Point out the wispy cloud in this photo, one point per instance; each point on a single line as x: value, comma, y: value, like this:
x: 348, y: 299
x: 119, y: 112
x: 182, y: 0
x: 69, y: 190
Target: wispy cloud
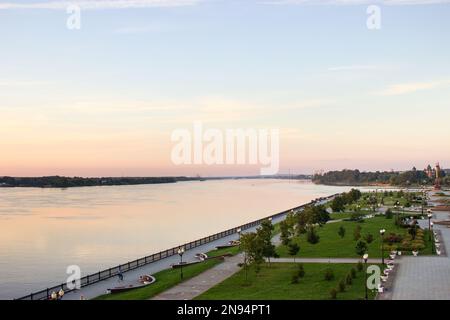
x: 405, y: 88
x: 98, y: 4
x: 356, y: 2
x: 352, y: 68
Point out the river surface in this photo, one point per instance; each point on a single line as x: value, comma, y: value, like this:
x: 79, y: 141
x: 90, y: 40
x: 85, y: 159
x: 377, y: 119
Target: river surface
x: 42, y: 231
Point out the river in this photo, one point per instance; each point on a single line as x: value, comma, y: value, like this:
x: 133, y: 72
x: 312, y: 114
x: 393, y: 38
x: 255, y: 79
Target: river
x: 42, y: 231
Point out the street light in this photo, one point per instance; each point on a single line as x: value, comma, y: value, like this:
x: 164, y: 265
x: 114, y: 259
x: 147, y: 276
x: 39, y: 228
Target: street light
x: 365, y: 257
x: 382, y: 232
x: 180, y: 253
x: 430, y: 215
x: 432, y: 242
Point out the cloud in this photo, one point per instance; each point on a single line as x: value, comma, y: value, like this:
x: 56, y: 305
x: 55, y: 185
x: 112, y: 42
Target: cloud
x: 405, y: 88
x: 98, y: 4
x: 352, y: 68
x: 356, y: 2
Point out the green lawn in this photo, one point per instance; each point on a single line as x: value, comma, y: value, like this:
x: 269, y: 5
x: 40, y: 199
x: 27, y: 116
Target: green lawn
x: 331, y: 245
x: 166, y: 279
x: 274, y: 283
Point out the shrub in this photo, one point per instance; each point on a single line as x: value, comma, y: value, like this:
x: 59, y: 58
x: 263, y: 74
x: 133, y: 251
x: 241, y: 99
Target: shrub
x: 389, y: 214
x: 359, y: 266
x: 301, y: 271
x: 341, y: 286
x: 369, y: 238
x: 329, y: 274
x: 333, y: 293
x: 393, y: 238
x: 353, y: 273
x: 341, y: 232
x: 349, y: 279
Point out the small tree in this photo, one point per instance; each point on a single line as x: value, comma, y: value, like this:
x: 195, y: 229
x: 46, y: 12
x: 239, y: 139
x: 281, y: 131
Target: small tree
x: 349, y: 279
x: 285, y: 235
x: 329, y: 274
x: 359, y: 266
x: 295, y: 278
x: 369, y: 238
x: 293, y: 249
x: 353, y: 272
x: 301, y: 271
x: 357, y: 234
x: 341, y: 285
x: 361, y: 248
x: 341, y: 232
x: 311, y: 236
x: 333, y: 293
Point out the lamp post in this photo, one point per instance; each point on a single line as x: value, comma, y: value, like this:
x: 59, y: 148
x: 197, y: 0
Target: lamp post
x: 180, y: 253
x: 430, y: 215
x: 432, y: 242
x: 382, y: 232
x: 366, y: 257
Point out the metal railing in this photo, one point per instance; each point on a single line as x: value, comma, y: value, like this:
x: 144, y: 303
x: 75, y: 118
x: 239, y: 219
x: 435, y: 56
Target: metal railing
x: 111, y: 272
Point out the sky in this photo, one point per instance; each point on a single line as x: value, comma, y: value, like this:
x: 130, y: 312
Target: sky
x: 103, y: 100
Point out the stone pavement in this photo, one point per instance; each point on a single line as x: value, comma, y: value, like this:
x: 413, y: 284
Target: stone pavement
x: 427, y: 277
x: 195, y: 286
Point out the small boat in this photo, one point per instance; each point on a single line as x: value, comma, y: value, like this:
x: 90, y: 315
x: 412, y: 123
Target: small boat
x: 230, y: 244
x: 201, y: 256
x: 143, y: 281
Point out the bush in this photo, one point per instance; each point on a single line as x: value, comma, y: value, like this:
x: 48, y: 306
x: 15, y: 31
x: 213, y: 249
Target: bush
x: 369, y: 238
x: 341, y: 286
x: 301, y: 271
x: 359, y: 266
x: 349, y: 279
x: 389, y: 214
x: 353, y: 273
x: 341, y: 232
x: 329, y: 274
x: 393, y: 238
x: 333, y: 293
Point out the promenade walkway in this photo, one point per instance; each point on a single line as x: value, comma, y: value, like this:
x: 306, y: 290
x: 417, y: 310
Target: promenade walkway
x: 427, y: 277
x: 193, y: 287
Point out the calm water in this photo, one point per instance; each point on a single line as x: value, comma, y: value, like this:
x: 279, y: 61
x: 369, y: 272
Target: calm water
x: 42, y: 231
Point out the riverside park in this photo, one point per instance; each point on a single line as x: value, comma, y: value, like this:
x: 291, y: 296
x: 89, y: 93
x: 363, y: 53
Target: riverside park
x: 384, y: 245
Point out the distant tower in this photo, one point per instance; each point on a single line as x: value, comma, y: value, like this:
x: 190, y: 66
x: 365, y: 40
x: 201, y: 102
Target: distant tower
x: 437, y: 185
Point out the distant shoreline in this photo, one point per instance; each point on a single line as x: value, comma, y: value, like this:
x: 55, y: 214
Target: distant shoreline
x: 60, y: 182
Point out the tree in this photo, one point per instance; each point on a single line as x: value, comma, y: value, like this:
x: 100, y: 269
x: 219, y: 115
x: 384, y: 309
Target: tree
x: 311, y: 235
x: 338, y: 204
x: 357, y: 233
x: 329, y: 274
x: 293, y: 249
x: 265, y: 232
x: 341, y: 232
x: 361, y: 248
x: 252, y: 245
x: 368, y: 238
x: 301, y: 271
x: 285, y: 235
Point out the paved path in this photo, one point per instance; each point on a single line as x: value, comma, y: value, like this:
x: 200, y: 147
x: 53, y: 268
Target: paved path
x: 425, y: 278
x: 195, y: 286
x: 322, y: 260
